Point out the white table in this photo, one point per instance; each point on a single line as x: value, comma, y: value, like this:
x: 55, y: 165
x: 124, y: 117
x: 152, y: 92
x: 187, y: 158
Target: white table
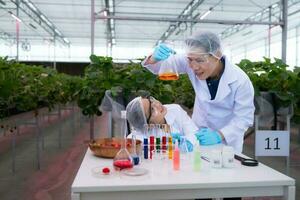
x: 163, y: 183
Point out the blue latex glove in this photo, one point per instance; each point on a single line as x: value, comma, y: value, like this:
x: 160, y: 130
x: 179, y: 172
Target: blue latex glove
x: 207, y: 136
x: 162, y: 52
x: 175, y: 136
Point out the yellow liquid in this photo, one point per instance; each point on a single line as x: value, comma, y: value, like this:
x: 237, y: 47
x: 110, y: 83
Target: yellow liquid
x: 170, y: 149
x: 168, y: 76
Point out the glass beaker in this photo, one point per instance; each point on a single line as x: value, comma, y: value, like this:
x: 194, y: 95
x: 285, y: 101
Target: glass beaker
x: 123, y: 160
x: 168, y: 70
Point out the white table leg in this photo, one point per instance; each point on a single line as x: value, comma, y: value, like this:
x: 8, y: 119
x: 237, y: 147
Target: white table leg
x: 75, y: 196
x: 289, y: 193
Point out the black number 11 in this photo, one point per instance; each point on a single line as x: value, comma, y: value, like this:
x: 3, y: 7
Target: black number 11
x: 276, y: 144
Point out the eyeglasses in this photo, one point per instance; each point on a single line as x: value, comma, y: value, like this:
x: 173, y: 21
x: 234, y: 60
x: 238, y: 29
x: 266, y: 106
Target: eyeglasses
x: 151, y: 100
x: 199, y: 60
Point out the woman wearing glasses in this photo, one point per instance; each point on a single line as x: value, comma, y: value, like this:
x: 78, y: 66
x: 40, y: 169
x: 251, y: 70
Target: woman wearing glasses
x: 223, y: 108
x: 148, y: 110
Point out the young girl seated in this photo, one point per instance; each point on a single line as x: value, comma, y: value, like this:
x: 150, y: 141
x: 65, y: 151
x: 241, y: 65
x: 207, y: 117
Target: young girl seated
x: 148, y: 110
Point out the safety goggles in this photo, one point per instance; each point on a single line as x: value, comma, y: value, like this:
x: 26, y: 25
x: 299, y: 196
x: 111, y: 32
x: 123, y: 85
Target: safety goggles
x: 201, y: 59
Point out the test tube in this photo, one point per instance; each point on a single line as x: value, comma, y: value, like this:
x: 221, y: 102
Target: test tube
x: 176, y: 157
x: 146, y: 129
x: 170, y: 143
x: 164, y: 137
x: 157, y: 129
x: 152, y: 136
x: 135, y: 157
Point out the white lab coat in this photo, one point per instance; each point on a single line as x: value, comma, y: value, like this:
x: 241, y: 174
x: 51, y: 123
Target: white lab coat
x: 232, y: 110
x: 179, y: 122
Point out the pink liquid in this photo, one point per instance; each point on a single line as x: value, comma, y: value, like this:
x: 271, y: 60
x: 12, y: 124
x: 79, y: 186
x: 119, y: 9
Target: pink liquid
x: 176, y: 159
x: 122, y: 164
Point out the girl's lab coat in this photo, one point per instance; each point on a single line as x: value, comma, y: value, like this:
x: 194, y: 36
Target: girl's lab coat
x: 232, y: 110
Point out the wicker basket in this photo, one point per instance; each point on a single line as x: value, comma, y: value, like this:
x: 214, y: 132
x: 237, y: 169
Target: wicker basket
x: 109, y: 147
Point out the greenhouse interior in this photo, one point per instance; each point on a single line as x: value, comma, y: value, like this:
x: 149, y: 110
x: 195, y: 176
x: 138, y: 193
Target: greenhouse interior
x: 160, y: 99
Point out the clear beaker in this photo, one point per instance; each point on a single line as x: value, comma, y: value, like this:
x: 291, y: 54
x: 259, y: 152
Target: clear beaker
x: 123, y: 159
x: 168, y: 70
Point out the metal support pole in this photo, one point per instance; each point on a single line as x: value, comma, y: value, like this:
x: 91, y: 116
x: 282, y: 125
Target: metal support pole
x: 13, y: 144
x: 17, y: 30
x: 38, y: 143
x: 54, y: 51
x: 269, y: 33
x: 92, y: 25
x: 73, y: 119
x: 284, y: 29
x: 288, y: 127
x: 59, y: 126
x: 256, y: 117
x: 297, y: 46
x: 92, y: 128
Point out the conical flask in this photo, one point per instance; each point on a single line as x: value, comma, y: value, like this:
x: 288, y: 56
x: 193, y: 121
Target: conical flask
x: 168, y: 70
x: 123, y: 159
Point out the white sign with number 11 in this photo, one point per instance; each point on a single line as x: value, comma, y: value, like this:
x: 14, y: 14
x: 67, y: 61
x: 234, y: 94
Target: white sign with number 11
x: 272, y: 143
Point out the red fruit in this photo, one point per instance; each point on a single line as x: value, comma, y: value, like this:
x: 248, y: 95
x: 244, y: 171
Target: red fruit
x: 105, y: 170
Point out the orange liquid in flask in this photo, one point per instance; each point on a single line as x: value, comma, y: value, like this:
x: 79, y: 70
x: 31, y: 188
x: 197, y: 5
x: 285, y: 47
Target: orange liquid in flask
x: 170, y: 76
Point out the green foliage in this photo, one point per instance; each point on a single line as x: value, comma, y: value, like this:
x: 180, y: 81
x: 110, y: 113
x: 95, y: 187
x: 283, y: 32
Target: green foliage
x: 25, y: 88
x: 274, y: 77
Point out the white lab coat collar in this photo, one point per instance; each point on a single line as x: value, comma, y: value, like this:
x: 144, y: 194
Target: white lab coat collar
x: 227, y: 78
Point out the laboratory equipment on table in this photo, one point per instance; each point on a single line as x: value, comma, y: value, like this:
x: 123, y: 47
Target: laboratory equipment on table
x: 134, y: 155
x: 123, y: 158
x: 228, y: 156
x: 151, y: 137
x: 176, y: 157
x: 145, y: 146
x: 216, y: 158
x: 170, y: 142
x: 164, y: 128
x: 158, y: 135
x: 247, y: 161
x: 197, y: 158
x: 168, y: 70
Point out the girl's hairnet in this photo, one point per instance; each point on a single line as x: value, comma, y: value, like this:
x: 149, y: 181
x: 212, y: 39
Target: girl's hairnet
x: 135, y: 114
x: 205, y: 41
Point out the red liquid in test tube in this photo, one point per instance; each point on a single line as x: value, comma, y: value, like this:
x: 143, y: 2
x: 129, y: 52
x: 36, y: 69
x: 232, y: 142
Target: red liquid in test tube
x: 151, y: 145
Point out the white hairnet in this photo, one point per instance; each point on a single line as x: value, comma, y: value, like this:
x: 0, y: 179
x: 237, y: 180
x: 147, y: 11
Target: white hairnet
x: 205, y: 41
x: 135, y: 114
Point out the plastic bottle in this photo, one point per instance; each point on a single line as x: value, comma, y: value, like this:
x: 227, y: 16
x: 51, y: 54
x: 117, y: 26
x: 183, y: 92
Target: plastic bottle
x: 197, y: 158
x: 176, y: 157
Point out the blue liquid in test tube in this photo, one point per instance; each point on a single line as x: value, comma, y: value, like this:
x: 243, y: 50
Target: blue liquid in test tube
x: 145, y: 148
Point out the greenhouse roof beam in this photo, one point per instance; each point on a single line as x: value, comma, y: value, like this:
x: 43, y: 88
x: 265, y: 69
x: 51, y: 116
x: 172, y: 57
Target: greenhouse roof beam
x: 187, y: 12
x: 275, y: 9
x: 37, y: 16
x: 209, y: 21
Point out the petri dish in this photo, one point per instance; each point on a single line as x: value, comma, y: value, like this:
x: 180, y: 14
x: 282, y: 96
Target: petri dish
x: 136, y: 171
x: 102, y: 171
